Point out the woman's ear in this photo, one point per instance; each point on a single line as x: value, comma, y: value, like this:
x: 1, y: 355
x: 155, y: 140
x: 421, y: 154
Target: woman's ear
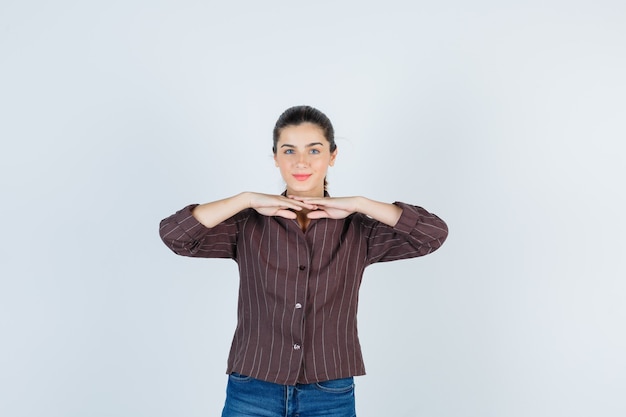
x: 333, y: 155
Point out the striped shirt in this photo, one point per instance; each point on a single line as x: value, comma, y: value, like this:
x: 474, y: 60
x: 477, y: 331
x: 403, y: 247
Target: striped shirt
x: 298, y: 293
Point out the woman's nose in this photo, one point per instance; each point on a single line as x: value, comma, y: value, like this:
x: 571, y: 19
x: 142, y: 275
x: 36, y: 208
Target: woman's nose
x: 302, y: 160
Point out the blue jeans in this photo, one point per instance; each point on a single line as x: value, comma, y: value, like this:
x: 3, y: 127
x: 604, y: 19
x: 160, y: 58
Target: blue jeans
x: 249, y: 397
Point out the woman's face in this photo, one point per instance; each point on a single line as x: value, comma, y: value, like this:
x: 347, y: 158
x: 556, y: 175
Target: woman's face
x: 303, y: 156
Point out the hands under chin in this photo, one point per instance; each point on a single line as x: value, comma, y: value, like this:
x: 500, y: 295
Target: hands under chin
x: 328, y: 207
x: 294, y: 207
x: 314, y: 208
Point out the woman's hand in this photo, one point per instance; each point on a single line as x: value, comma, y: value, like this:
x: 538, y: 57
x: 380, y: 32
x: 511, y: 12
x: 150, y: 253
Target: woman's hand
x: 277, y: 205
x: 211, y: 214
x: 328, y: 207
x: 339, y: 208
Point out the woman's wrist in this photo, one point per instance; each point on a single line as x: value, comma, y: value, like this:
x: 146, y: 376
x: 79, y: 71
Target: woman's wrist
x: 360, y: 204
x: 245, y: 199
x: 383, y: 212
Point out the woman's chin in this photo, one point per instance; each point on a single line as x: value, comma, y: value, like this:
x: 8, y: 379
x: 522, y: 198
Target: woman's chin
x: 303, y: 190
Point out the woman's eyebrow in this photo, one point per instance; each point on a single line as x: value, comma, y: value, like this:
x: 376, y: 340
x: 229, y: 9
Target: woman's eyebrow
x: 287, y: 145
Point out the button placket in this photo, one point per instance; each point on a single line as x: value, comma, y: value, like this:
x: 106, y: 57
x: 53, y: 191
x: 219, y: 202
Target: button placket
x: 300, y: 296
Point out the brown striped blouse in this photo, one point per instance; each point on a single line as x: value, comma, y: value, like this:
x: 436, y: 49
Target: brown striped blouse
x: 298, y: 293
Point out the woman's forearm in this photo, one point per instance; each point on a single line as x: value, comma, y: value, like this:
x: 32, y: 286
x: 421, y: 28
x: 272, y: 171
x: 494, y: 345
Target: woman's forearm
x: 212, y: 214
x: 383, y: 212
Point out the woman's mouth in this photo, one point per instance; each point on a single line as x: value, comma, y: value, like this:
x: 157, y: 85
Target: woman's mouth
x: 301, y: 177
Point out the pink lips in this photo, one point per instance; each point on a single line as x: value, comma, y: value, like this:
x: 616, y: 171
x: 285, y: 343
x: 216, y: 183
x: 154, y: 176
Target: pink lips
x: 301, y: 177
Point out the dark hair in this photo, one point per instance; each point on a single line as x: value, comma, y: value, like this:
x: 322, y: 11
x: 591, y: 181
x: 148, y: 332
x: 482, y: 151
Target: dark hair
x: 297, y: 115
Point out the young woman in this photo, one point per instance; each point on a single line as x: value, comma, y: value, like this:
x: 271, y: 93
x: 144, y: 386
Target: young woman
x: 301, y: 257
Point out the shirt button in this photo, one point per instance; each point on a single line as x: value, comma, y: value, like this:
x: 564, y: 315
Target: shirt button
x: 296, y: 347
x: 302, y: 267
x: 298, y: 305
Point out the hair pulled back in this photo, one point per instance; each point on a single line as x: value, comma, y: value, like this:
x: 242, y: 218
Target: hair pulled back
x: 297, y: 115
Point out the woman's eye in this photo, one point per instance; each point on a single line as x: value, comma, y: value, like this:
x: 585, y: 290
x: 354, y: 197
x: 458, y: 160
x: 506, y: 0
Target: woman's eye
x: 315, y: 151
x: 289, y: 151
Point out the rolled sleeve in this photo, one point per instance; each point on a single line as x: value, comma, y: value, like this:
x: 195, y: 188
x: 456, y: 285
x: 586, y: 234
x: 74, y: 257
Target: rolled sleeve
x: 417, y: 233
x: 186, y: 236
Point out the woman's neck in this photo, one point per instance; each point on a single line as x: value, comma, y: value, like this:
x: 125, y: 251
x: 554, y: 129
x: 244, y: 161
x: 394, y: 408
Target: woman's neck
x: 303, y: 220
x: 311, y: 194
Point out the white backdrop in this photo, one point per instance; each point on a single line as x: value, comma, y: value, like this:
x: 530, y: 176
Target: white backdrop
x: 504, y: 118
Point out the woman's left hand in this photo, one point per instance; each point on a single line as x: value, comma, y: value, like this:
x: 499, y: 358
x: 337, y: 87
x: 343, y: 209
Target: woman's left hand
x: 329, y: 207
x: 341, y: 207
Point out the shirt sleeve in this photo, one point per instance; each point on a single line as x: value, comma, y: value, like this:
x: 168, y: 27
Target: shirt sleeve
x: 186, y: 236
x: 417, y: 233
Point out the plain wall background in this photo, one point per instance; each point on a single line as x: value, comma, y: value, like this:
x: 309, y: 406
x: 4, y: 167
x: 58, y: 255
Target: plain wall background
x: 504, y: 118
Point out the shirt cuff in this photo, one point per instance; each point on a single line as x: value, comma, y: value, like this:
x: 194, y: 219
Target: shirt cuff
x: 408, y: 219
x: 189, y: 224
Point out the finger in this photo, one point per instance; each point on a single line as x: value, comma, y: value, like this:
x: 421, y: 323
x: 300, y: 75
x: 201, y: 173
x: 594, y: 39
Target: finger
x: 287, y: 204
x: 304, y: 199
x: 321, y: 204
x: 318, y: 214
x: 290, y: 206
x: 304, y: 204
x: 310, y: 201
x: 286, y: 214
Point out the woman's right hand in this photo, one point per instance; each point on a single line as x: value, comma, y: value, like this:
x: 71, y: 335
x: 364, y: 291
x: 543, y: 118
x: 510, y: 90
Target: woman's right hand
x: 211, y: 214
